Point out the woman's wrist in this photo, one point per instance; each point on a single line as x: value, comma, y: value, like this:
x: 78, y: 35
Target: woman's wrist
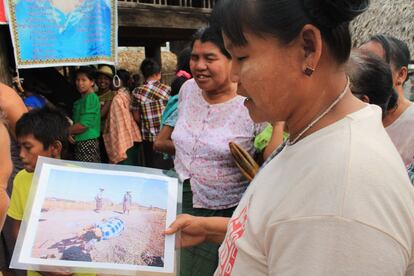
x: 215, y: 227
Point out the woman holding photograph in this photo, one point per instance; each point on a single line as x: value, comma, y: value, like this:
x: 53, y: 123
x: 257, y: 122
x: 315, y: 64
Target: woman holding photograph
x: 336, y: 198
x: 210, y: 115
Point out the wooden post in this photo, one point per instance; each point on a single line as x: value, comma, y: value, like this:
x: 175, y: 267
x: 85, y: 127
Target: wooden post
x: 153, y: 51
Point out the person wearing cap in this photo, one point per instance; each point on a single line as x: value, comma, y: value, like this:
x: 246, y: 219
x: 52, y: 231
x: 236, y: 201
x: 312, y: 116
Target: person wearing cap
x: 127, y: 201
x: 105, y: 92
x: 99, y: 200
x: 106, y: 95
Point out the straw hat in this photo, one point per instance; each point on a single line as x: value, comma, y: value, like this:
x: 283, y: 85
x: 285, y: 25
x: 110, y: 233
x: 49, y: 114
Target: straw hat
x: 106, y: 70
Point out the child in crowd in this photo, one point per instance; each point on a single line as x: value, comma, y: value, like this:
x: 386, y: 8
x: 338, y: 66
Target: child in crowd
x: 86, y: 118
x: 41, y: 132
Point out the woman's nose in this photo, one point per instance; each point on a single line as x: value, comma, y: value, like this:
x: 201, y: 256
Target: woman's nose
x: 201, y: 65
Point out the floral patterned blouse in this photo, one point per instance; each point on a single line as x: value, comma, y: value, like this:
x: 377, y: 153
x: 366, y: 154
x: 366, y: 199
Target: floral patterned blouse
x: 201, y: 138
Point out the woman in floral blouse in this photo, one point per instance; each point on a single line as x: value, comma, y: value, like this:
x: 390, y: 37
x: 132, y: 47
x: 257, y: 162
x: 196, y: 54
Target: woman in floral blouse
x: 210, y: 115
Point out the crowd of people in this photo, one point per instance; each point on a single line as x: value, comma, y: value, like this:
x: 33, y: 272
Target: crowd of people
x: 330, y: 127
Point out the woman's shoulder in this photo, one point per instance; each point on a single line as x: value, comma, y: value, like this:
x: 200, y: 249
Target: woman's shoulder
x: 92, y: 97
x: 189, y: 87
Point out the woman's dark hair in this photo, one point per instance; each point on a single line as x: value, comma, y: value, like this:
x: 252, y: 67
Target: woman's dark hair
x: 211, y: 34
x: 396, y: 51
x: 88, y: 71
x: 183, y: 60
x: 183, y: 63
x: 149, y: 67
x: 176, y: 85
x: 47, y: 125
x: 124, y: 76
x: 371, y: 76
x: 284, y: 19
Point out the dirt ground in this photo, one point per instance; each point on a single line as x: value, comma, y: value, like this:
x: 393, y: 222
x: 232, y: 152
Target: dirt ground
x: 140, y: 243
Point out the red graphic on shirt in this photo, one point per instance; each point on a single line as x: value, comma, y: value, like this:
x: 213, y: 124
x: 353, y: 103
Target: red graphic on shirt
x: 228, y: 252
x: 2, y: 13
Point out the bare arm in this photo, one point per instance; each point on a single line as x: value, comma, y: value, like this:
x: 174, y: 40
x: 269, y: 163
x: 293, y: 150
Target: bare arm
x: 5, y: 171
x: 196, y: 230
x: 77, y: 128
x: 15, y: 227
x: 275, y: 141
x: 163, y: 142
x: 12, y: 105
x: 105, y: 109
x: 137, y: 117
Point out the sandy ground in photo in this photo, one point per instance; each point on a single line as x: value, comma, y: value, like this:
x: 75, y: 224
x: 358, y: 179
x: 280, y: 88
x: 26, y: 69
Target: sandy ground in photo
x: 138, y: 243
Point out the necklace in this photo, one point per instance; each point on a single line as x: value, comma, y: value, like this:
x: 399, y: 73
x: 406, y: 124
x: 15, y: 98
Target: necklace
x: 289, y: 143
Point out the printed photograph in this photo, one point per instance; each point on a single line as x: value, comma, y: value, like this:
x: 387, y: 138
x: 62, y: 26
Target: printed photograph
x: 104, y: 218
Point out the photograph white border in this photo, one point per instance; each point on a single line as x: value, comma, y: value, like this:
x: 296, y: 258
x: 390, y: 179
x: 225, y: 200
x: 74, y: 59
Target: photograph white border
x: 22, y: 256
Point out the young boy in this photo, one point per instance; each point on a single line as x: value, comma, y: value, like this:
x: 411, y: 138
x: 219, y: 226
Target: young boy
x: 41, y: 132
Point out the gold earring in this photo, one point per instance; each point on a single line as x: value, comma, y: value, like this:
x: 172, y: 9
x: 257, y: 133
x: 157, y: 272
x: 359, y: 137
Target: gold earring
x: 308, y: 71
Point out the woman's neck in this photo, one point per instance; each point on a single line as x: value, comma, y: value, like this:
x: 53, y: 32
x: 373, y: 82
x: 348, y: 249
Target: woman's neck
x: 221, y: 95
x: 320, y: 95
x: 87, y: 93
x: 101, y: 92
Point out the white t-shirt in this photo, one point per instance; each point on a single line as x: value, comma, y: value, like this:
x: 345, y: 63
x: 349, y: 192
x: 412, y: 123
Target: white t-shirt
x: 401, y: 132
x: 338, y: 202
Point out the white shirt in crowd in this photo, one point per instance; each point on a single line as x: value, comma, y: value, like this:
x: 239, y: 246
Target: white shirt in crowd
x: 401, y: 132
x: 338, y: 202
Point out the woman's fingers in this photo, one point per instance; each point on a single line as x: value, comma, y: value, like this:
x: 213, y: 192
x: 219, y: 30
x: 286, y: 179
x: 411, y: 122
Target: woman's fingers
x: 178, y: 224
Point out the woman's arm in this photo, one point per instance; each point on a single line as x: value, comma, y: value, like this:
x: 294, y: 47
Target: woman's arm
x: 5, y: 171
x: 12, y: 106
x: 196, y: 230
x: 163, y: 142
x: 77, y: 128
x: 137, y: 117
x: 105, y: 109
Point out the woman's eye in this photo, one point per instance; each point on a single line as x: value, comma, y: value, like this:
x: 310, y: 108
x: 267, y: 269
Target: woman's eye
x: 241, y: 58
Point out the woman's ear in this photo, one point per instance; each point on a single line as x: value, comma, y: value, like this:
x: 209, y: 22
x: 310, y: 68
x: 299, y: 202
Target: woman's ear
x: 401, y: 76
x: 56, y: 149
x: 364, y: 98
x: 311, y: 41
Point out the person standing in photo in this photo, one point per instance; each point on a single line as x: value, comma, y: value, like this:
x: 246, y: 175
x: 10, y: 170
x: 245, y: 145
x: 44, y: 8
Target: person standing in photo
x: 99, y: 200
x: 127, y: 201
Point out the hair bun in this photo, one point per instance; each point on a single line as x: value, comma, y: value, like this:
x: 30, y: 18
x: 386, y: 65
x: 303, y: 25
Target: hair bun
x: 332, y: 13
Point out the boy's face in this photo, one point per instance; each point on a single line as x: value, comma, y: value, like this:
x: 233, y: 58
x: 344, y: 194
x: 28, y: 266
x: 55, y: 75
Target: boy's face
x: 31, y: 148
